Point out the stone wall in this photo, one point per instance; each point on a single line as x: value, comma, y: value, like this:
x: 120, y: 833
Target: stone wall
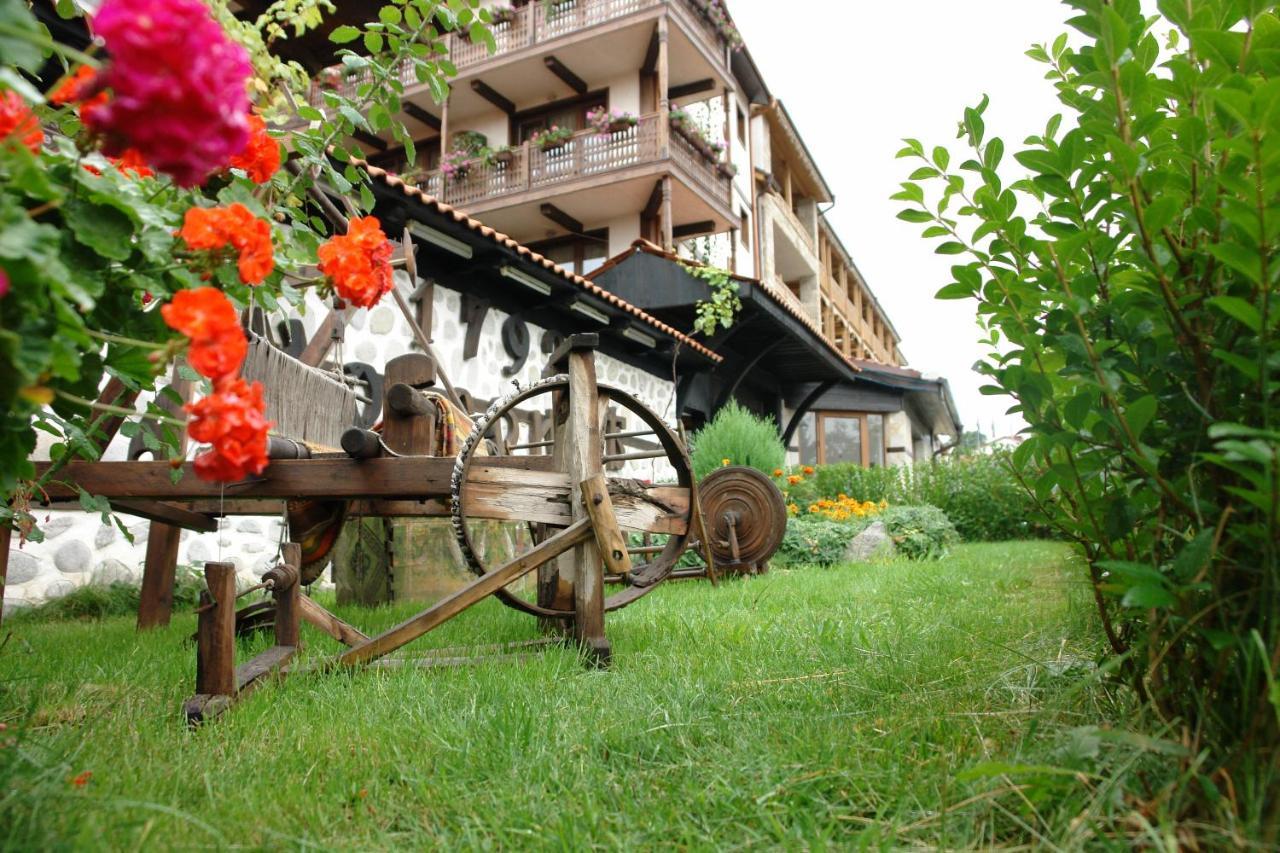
x: 79, y: 548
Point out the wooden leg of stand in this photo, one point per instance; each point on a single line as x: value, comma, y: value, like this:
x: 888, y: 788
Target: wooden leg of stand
x: 583, y: 460
x: 6, y: 534
x: 289, y: 602
x: 156, y: 602
x: 216, y: 634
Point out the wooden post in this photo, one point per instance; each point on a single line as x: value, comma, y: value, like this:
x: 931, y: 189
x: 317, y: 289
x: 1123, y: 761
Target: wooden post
x: 664, y: 97
x: 610, y: 539
x: 155, y: 603
x: 288, y: 600
x: 6, y: 535
x: 216, y: 632
x: 409, y: 421
x: 668, y: 227
x: 584, y: 460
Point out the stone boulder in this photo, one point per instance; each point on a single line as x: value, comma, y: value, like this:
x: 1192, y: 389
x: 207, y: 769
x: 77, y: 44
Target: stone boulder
x: 870, y: 545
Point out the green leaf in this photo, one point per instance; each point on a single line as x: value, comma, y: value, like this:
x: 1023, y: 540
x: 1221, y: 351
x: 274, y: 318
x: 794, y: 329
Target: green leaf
x: 101, y: 227
x: 912, y: 214
x: 373, y: 42
x: 1146, y: 596
x: 1238, y: 310
x: 21, y: 34
x: 344, y: 34
x: 951, y: 248
x: 941, y: 157
x: 1140, y: 412
x: 389, y: 15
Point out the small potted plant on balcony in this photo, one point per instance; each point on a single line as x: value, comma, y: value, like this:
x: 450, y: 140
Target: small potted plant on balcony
x: 726, y: 169
x: 606, y: 122
x: 455, y: 165
x: 502, y: 13
x: 552, y: 138
x: 505, y: 154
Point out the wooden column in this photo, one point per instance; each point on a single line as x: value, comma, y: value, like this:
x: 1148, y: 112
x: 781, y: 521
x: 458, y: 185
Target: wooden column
x: 664, y: 98
x: 216, y: 632
x: 289, y: 600
x: 6, y: 535
x: 668, y: 227
x: 155, y: 604
x: 584, y: 460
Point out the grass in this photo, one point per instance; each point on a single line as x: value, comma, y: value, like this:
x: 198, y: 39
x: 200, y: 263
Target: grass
x: 900, y: 704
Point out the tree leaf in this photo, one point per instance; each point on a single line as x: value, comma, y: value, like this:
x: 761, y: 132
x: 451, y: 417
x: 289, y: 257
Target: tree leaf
x: 344, y: 34
x: 1147, y: 596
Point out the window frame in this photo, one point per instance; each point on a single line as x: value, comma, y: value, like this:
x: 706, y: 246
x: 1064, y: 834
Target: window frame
x: 820, y: 441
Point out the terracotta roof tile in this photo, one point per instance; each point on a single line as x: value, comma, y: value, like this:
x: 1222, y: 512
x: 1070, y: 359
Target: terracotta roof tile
x: 498, y: 237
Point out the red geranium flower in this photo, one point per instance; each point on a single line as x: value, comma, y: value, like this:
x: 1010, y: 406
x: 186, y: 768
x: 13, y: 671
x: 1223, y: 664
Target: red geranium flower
x: 17, y: 121
x: 232, y: 420
x: 359, y: 263
x: 83, y: 87
x: 261, y: 157
x: 217, y: 228
x: 207, y: 317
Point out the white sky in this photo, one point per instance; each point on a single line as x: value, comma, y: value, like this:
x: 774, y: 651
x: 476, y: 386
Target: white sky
x: 856, y: 77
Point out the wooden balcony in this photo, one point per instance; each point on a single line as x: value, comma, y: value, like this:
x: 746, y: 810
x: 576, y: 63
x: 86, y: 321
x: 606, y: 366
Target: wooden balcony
x: 586, y: 155
x: 538, y: 23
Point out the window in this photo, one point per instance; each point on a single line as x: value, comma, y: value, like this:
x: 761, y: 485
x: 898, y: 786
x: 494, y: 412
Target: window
x: 571, y: 114
x: 742, y: 126
x: 827, y: 438
x: 744, y: 228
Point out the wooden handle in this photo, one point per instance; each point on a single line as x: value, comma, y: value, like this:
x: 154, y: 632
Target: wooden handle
x: 609, y: 536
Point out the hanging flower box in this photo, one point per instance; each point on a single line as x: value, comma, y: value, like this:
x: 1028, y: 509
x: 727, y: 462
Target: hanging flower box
x: 502, y: 14
x: 727, y: 170
x: 505, y: 155
x: 607, y: 122
x: 551, y: 139
x: 456, y: 165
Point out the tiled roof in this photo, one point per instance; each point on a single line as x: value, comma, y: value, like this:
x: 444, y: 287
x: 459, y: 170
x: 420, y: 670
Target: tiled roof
x: 501, y: 239
x: 786, y: 300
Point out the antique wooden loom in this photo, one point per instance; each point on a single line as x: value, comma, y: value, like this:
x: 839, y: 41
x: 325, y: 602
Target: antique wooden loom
x: 574, y: 518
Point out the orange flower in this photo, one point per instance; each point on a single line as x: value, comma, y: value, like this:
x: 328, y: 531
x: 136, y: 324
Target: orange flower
x: 82, y: 779
x: 794, y: 479
x: 261, y: 157
x: 777, y: 472
x: 18, y: 122
x: 216, y: 228
x: 131, y: 163
x: 359, y: 263
x: 207, y: 317
x: 808, y: 470
x: 83, y: 86
x: 232, y: 420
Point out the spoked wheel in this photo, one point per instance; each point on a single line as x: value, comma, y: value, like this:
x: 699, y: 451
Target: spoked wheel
x: 533, y: 499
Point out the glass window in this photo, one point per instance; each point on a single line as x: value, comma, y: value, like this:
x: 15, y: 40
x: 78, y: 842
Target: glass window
x: 841, y: 439
x: 594, y: 254
x: 807, y: 439
x: 875, y: 440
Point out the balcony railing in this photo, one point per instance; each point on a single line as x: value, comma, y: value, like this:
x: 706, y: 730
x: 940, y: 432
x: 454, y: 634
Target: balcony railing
x: 585, y: 154
x: 532, y: 24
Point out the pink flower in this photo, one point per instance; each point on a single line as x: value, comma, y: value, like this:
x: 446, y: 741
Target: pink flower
x: 4, y: 284
x: 177, y: 86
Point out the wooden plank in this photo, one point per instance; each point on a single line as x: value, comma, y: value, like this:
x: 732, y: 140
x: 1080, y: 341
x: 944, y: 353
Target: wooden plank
x: 168, y: 514
x: 321, y: 341
x: 204, y: 706
x: 551, y: 505
x: 585, y: 449
x: 155, y: 602
x: 609, y: 537
x: 478, y: 590
x: 288, y: 602
x: 401, y: 478
x: 216, y: 632
x: 327, y: 622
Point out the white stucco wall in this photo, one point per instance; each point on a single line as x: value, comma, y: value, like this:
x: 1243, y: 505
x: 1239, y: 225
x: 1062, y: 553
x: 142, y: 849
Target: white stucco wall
x: 79, y: 548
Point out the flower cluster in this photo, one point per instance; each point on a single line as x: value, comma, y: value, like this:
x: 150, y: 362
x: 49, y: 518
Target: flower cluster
x: 261, y: 157
x: 359, y: 262
x: 232, y: 420
x: 18, y: 122
x: 718, y: 15
x: 552, y: 137
x: 213, y: 229
x: 844, y: 508
x: 455, y: 165
x: 205, y: 315
x: 606, y: 121
x: 177, y: 87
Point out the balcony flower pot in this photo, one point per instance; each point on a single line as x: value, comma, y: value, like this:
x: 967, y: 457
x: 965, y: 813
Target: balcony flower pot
x: 505, y: 156
x: 551, y: 139
x: 727, y: 170
x: 502, y: 14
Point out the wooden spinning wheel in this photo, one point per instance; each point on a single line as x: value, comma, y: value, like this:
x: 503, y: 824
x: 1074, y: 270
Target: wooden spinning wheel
x: 636, y: 507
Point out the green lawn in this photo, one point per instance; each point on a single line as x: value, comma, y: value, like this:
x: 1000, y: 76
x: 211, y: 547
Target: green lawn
x: 839, y: 706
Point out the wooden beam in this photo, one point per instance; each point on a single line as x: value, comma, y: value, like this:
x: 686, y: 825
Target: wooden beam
x: 803, y: 409
x: 559, y: 217
x: 321, y: 341
x: 558, y: 68
x: 650, y: 63
x: 654, y: 206
x: 330, y: 624
x: 688, y: 230
x: 686, y: 89
x: 473, y: 593
x: 175, y: 516
x: 416, y: 112
x: 491, y: 95
x: 369, y: 139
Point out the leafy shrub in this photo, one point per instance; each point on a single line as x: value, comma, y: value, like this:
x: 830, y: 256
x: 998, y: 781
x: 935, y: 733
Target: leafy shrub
x: 978, y: 493
x: 1126, y: 274
x: 920, y: 532
x: 96, y: 601
x: 739, y: 436
x: 817, y: 541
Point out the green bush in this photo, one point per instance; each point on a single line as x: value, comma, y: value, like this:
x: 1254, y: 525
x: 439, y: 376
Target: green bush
x: 978, y: 493
x: 739, y: 436
x: 96, y: 601
x: 920, y: 532
x: 817, y: 541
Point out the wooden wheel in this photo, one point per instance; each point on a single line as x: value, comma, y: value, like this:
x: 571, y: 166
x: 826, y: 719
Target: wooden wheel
x: 533, y: 502
x: 745, y: 515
